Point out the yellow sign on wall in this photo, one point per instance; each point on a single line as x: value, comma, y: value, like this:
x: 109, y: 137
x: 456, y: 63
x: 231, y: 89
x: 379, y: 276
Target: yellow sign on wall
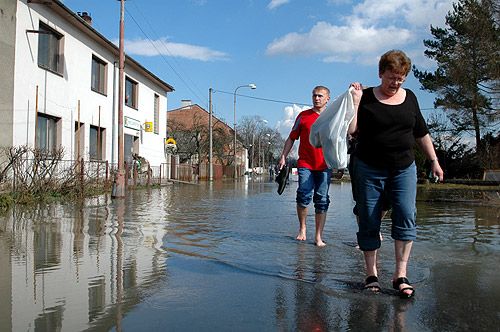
x: 148, y: 127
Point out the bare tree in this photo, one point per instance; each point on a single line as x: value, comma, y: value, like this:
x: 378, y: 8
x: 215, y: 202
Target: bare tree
x: 263, y: 143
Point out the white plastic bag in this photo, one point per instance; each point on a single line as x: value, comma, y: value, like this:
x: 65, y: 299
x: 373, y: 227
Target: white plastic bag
x: 329, y: 131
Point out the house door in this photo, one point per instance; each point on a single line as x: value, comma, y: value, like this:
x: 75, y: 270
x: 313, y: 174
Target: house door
x: 131, y: 146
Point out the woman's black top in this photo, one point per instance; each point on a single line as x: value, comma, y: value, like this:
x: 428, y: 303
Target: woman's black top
x: 386, y: 133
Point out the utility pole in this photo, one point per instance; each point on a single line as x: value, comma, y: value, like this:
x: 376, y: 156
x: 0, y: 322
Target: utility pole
x: 118, y: 190
x: 210, y: 138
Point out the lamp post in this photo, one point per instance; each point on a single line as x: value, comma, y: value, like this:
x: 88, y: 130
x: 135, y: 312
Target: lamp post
x: 253, y: 151
x: 264, y: 152
x: 251, y: 86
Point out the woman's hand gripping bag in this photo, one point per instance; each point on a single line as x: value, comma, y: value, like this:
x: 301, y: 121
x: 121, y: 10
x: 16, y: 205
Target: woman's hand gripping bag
x: 329, y: 131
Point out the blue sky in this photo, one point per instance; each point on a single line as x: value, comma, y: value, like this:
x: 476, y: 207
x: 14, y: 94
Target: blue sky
x: 285, y: 47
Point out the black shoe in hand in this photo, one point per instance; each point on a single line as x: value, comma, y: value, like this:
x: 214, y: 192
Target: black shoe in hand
x: 282, y: 178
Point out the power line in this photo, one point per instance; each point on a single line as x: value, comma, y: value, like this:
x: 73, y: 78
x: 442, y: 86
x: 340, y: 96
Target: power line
x: 182, y: 79
x: 168, y: 51
x: 186, y: 83
x: 265, y: 99
x: 163, y: 57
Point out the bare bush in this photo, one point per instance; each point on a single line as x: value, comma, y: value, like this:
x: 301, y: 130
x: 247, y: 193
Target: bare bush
x: 31, y: 172
x: 10, y: 156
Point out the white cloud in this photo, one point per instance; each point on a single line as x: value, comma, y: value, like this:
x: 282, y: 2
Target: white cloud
x: 289, y: 114
x: 340, y: 43
x: 417, y: 13
x: 284, y: 126
x: 276, y: 3
x: 372, y: 28
x: 162, y: 46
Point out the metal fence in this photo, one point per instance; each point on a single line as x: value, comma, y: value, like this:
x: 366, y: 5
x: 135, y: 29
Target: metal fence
x: 101, y: 173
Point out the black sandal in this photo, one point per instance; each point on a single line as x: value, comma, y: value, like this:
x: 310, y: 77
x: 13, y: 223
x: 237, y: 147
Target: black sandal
x: 398, y: 282
x: 371, y: 283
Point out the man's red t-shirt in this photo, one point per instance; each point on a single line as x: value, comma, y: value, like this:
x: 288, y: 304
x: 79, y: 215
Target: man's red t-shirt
x: 309, y: 156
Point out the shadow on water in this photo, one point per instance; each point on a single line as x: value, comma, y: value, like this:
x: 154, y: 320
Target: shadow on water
x: 222, y: 256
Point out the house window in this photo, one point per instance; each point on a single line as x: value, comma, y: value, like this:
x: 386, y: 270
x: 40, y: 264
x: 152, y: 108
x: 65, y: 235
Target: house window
x: 156, y: 123
x: 50, y: 49
x: 46, y: 132
x: 95, y: 142
x: 130, y: 93
x: 98, y: 78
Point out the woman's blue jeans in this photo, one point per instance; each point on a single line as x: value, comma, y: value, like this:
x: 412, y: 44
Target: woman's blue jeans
x: 314, y: 185
x: 401, y: 188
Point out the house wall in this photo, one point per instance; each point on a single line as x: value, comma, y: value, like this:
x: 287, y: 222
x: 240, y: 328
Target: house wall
x: 151, y: 145
x: 60, y: 95
x: 8, y: 10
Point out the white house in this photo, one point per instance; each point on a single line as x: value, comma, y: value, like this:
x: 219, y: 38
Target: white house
x: 59, y: 87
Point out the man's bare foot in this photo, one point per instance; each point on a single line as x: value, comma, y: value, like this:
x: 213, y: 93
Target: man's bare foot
x: 301, y: 236
x: 320, y: 243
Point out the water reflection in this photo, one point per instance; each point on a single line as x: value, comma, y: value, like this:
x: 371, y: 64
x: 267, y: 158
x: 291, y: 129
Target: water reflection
x: 65, y: 260
x: 312, y: 304
x: 477, y: 226
x: 139, y: 263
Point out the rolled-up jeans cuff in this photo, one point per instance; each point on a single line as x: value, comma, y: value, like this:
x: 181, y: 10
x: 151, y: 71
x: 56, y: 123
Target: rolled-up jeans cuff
x: 404, y: 234
x: 303, y: 206
x: 368, y: 241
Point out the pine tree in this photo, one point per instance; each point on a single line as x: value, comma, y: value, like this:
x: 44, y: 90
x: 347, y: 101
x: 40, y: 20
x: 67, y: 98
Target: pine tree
x: 467, y: 77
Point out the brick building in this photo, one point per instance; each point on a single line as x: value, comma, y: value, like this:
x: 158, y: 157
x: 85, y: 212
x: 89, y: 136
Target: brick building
x: 189, y: 126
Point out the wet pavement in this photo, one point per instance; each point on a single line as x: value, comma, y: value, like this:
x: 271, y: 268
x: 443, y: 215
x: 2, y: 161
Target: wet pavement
x: 222, y: 257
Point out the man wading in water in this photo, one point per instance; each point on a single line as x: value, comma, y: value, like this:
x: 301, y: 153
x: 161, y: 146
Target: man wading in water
x: 314, y: 175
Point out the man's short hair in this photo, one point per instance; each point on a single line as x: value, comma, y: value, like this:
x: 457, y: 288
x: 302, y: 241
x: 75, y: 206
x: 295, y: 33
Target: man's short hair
x: 321, y: 87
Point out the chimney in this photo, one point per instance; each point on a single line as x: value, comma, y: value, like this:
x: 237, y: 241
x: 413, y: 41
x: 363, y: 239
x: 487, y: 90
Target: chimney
x: 86, y: 17
x: 186, y: 103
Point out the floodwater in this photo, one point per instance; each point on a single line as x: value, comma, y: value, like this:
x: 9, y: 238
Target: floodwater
x: 222, y: 257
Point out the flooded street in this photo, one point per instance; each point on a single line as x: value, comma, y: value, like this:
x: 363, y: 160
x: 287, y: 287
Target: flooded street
x: 222, y: 257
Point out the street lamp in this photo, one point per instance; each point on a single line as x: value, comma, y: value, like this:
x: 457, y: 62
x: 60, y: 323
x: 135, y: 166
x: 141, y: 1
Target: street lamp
x: 259, y: 121
x: 251, y: 86
x: 262, y: 154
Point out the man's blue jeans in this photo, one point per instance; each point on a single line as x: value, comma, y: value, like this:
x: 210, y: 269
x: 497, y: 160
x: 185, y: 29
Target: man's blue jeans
x: 314, y: 185
x: 401, y: 188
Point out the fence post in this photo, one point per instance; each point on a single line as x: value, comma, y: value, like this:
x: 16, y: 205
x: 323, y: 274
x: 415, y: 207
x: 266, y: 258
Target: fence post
x: 82, y: 169
x: 135, y: 173
x: 127, y: 173
x: 98, y: 173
